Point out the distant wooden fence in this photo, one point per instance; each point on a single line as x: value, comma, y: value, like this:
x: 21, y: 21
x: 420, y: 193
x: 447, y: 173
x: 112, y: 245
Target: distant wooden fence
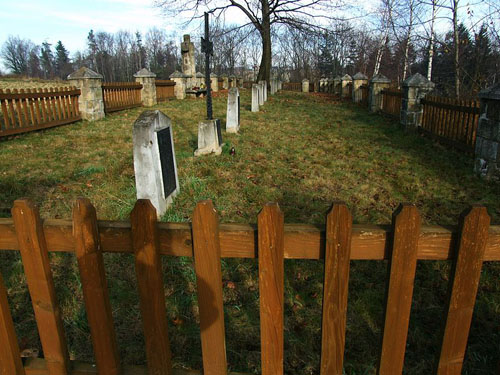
x: 35, y: 109
x: 164, y: 89
x: 451, y: 121
x: 391, y: 102
x: 405, y: 242
x: 292, y: 86
x: 121, y: 95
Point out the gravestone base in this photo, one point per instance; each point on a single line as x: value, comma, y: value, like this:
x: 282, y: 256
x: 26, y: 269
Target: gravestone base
x: 209, y: 138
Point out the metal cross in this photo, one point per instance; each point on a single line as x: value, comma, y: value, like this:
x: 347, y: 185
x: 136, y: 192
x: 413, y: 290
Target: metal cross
x: 207, y: 48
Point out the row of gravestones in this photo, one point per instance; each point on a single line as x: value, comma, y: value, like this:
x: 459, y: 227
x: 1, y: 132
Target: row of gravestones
x: 154, y: 155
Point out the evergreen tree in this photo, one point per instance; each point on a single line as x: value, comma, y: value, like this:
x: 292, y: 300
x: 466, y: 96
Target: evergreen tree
x: 62, y: 64
x: 92, y: 50
x: 47, y: 60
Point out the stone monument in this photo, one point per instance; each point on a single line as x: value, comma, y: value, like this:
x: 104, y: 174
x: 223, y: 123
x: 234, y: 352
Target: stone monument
x: 233, y: 111
x: 154, y: 160
x: 188, y: 62
x: 255, y: 97
x: 90, y: 101
x: 209, y: 138
x: 148, y: 91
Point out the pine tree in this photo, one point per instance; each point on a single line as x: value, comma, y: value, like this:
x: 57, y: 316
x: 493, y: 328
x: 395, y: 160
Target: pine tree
x: 47, y: 60
x: 62, y: 65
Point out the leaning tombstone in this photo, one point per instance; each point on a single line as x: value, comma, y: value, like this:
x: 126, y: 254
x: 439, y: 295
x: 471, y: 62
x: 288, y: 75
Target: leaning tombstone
x: 155, y: 168
x: 209, y: 138
x: 255, y: 97
x: 233, y: 111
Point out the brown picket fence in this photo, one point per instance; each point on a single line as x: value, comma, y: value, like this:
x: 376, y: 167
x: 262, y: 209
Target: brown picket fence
x: 121, y: 95
x: 35, y: 109
x: 391, y: 102
x: 451, y: 121
x: 271, y: 241
x: 164, y: 89
x: 292, y: 86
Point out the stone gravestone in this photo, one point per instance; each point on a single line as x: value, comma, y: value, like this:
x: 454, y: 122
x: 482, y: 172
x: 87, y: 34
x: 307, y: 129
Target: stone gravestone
x: 255, y: 97
x: 233, y: 111
x: 154, y: 160
x: 209, y: 138
x: 261, y: 94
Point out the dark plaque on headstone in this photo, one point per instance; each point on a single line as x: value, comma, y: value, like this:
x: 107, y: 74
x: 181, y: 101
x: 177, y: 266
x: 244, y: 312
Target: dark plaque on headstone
x: 166, y: 161
x: 219, y: 132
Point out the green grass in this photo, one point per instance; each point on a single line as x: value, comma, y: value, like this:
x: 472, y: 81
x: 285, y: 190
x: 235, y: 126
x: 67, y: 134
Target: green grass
x: 304, y: 152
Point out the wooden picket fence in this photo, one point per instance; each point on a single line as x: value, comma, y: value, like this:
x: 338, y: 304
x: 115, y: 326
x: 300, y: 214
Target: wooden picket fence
x: 292, y: 86
x: 391, y: 102
x: 451, y: 121
x: 272, y: 241
x: 164, y: 89
x: 118, y: 96
x: 35, y: 109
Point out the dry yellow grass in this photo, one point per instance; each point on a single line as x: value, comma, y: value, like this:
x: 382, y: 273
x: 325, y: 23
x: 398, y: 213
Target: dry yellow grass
x: 30, y: 83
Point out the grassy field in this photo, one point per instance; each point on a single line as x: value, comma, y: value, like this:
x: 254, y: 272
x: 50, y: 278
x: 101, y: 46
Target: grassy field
x: 301, y: 151
x: 30, y: 83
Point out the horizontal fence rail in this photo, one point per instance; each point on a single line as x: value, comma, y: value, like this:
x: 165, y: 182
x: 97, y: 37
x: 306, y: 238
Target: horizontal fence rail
x: 26, y: 110
x: 164, y: 89
x: 391, y: 102
x: 118, y: 96
x: 452, y: 121
x: 403, y: 243
x: 292, y: 86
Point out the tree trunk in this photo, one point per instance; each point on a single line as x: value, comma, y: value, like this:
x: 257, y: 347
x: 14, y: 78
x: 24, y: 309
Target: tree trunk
x: 265, y: 33
x: 456, y: 42
x: 431, y: 43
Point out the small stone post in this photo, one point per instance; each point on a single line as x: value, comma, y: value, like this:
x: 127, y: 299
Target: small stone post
x: 148, y: 92
x: 358, y: 80
x: 180, y: 84
x: 377, y: 84
x: 261, y: 94
x: 415, y: 88
x: 225, y: 82
x: 233, y: 111
x: 264, y: 90
x: 345, y: 80
x: 280, y: 85
x: 337, y: 87
x: 487, y: 153
x: 305, y: 85
x: 90, y: 101
x: 255, y: 97
x: 214, y: 82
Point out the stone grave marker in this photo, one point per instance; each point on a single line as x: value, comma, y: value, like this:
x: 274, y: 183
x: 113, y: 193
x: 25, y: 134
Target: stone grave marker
x: 255, y: 97
x: 209, y: 138
x: 261, y: 94
x: 155, y: 167
x: 233, y: 111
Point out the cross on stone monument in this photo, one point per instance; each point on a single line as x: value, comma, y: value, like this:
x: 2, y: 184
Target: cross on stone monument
x: 207, y: 48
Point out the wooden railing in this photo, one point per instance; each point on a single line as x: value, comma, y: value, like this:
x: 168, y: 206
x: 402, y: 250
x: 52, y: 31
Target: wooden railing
x: 121, y: 95
x: 292, y: 86
x: 391, y: 102
x: 451, y: 121
x: 403, y: 243
x: 164, y: 89
x: 34, y: 109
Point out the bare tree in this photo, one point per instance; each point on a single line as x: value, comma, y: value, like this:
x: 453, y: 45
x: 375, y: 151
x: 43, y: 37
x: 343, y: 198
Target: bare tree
x: 16, y: 54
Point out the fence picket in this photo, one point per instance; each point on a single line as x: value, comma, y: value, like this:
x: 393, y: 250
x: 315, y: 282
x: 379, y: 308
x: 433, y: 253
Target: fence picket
x: 207, y: 265
x: 151, y: 290
x: 35, y: 258
x: 5, y: 113
x: 406, y: 231
x: 271, y: 288
x: 466, y: 274
x: 95, y: 287
x: 335, y: 290
x: 10, y: 358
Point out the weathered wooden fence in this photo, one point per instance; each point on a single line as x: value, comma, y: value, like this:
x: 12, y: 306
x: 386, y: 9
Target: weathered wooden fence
x: 451, y: 121
x: 164, y: 89
x: 34, y: 109
x: 404, y: 243
x: 292, y: 86
x: 391, y: 102
x: 121, y: 95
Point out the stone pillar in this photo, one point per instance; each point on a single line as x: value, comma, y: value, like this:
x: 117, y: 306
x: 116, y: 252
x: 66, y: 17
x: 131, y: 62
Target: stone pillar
x: 280, y: 85
x: 305, y: 85
x: 180, y: 84
x: 214, y: 82
x: 345, y: 80
x: 255, y: 97
x: 148, y: 92
x: 337, y: 87
x: 415, y: 88
x: 487, y: 153
x: 264, y: 90
x: 188, y: 62
x: 90, y: 101
x: 377, y: 84
x: 261, y: 94
x: 233, y: 111
x: 225, y: 82
x: 358, y: 80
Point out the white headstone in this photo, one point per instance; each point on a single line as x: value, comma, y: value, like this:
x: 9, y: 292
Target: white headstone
x: 261, y: 94
x: 154, y: 160
x: 209, y: 138
x: 255, y: 97
x: 233, y: 111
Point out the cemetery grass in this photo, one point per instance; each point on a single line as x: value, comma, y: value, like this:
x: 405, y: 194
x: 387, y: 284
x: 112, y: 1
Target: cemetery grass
x: 303, y: 152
